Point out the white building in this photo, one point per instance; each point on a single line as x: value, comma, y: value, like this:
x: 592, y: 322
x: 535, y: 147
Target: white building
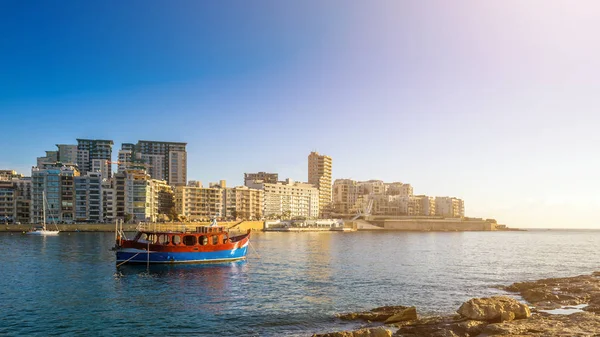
x: 288, y: 199
x: 449, y: 207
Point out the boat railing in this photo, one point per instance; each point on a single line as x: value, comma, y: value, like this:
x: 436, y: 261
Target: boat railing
x: 166, y: 227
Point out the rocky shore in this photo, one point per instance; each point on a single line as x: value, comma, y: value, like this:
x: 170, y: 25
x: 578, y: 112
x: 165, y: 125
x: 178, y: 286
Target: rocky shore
x: 565, y: 306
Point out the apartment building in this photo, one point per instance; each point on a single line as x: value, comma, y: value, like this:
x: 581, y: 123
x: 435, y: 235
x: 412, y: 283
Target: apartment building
x: 23, y: 202
x: 93, y: 154
x: 56, y: 181
x: 88, y: 198
x: 109, y: 201
x: 67, y: 153
x: 164, y: 160
x: 8, y: 197
x: 289, y: 199
x: 50, y: 158
x: 319, y: 175
x: 125, y: 156
x: 204, y: 203
x: 346, y: 195
x: 249, y: 203
x: 269, y: 178
x: 449, y: 207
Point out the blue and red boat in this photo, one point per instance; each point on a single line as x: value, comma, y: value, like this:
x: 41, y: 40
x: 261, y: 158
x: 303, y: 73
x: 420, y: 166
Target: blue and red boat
x: 162, y: 244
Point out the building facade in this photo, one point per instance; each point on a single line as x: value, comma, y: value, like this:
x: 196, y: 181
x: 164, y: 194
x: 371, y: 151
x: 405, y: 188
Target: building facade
x: 449, y: 207
x: 164, y: 160
x: 8, y: 202
x: 88, y: 198
x: 269, y: 178
x: 55, y: 181
x: 319, y: 175
x: 289, y: 199
x: 67, y: 154
x: 91, y: 153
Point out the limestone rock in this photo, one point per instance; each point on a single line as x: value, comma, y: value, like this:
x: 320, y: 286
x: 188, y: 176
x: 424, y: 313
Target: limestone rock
x: 494, y: 309
x: 367, y: 332
x: 441, y: 326
x: 380, y: 314
x: 407, y: 314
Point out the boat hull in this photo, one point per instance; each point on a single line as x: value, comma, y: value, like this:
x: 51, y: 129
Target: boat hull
x: 43, y: 233
x: 134, y: 255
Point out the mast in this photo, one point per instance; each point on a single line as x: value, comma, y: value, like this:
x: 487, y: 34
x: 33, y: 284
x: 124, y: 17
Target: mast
x: 44, y: 209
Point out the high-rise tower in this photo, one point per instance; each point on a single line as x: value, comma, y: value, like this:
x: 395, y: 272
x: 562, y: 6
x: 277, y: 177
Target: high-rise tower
x: 319, y: 174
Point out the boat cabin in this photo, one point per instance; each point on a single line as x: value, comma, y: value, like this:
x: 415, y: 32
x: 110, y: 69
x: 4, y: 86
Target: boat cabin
x: 203, y: 236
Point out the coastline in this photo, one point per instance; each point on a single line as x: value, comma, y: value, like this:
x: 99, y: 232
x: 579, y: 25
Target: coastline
x: 566, y: 306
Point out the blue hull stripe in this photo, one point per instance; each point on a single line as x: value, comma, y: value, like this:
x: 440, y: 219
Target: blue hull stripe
x: 188, y: 257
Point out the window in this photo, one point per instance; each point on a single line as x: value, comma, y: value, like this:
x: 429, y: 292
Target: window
x: 163, y: 239
x: 189, y: 240
x: 203, y: 240
x: 215, y: 239
x: 176, y: 239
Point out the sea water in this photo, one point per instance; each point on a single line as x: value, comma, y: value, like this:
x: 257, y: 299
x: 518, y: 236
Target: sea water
x: 292, y: 284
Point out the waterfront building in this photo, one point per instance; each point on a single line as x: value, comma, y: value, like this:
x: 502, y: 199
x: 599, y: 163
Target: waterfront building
x: 93, y: 155
x: 67, y: 153
x: 88, y: 198
x: 164, y: 160
x: 449, y: 207
x: 427, y: 205
x: 50, y: 158
x: 118, y: 182
x: 394, y: 199
x: 139, y: 203
x: 125, y: 156
x: 346, y: 194
x: 376, y: 187
x: 398, y: 188
x: 249, y: 203
x: 319, y: 175
x: 289, y: 199
x: 141, y: 198
x: 166, y: 199
x: 270, y: 178
x: 10, y: 175
x: 8, y: 196
x: 56, y: 180
x: 204, y: 203
x: 109, y: 199
x: 23, y: 201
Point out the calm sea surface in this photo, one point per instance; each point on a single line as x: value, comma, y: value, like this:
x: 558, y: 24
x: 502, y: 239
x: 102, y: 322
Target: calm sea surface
x: 69, y: 285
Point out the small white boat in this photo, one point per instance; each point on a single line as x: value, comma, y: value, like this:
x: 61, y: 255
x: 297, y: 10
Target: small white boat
x: 43, y: 231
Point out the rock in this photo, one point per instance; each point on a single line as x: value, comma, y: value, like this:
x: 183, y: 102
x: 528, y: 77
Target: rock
x: 367, y: 332
x: 444, y: 326
x: 538, y: 295
x: 380, y: 314
x: 494, y: 309
x: 578, y: 324
x: 407, y: 314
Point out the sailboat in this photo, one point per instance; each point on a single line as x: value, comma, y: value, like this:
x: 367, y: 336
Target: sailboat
x: 43, y: 231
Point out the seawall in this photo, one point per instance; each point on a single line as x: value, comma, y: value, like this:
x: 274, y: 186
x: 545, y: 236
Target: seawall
x: 241, y: 226
x: 438, y: 225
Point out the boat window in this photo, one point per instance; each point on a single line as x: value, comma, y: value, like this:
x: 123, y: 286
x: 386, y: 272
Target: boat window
x: 215, y: 240
x: 203, y: 240
x: 163, y: 239
x: 143, y: 238
x: 151, y: 237
x: 176, y: 239
x: 189, y: 240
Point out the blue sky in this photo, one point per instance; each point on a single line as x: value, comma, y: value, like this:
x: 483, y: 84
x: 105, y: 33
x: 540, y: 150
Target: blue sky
x: 495, y: 102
